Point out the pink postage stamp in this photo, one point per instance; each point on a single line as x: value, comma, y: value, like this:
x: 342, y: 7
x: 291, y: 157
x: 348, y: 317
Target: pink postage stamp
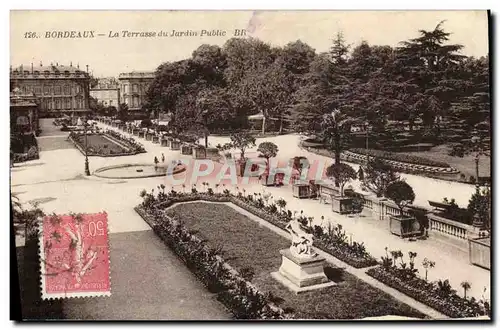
x: 74, y: 256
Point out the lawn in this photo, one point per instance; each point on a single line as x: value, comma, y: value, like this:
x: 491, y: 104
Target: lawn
x: 465, y: 165
x: 254, y: 250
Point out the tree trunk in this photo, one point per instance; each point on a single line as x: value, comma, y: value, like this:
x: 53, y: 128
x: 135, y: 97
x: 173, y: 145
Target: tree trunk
x: 264, y: 125
x: 281, y: 125
x: 206, y: 140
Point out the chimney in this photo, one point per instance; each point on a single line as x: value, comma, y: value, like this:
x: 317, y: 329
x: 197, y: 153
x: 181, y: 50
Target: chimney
x: 41, y: 64
x: 57, y: 63
x: 78, y: 66
x: 87, y: 68
x: 31, y: 67
x: 11, y: 68
x: 71, y: 64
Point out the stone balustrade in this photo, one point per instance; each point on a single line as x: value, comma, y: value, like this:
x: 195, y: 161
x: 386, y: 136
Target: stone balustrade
x: 449, y: 227
x: 383, y: 208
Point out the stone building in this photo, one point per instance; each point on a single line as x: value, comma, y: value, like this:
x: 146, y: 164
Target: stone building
x: 24, y: 124
x: 60, y: 89
x: 24, y: 110
x: 133, y: 88
x: 106, y: 92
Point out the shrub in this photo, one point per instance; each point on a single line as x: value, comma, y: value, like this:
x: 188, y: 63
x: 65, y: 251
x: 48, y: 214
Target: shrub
x: 400, y: 193
x: 379, y: 175
x: 342, y: 173
x: 267, y: 150
x: 480, y: 205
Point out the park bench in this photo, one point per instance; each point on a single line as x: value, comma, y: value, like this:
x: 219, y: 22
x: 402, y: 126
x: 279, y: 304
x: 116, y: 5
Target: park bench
x: 441, y: 207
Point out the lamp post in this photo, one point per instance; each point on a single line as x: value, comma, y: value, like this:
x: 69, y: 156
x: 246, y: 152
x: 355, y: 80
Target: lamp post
x: 203, y: 122
x: 366, y: 137
x: 87, y: 170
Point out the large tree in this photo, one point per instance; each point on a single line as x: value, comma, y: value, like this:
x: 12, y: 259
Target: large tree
x: 427, y: 63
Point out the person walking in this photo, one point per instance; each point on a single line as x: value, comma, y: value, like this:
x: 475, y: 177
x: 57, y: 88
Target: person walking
x: 162, y: 157
x: 156, y: 162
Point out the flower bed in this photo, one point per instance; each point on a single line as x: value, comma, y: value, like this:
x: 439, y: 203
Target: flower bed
x: 117, y: 145
x: 238, y: 294
x: 387, y: 155
x: 438, y: 296
x: 252, y: 249
x: 130, y: 142
x: 332, y: 240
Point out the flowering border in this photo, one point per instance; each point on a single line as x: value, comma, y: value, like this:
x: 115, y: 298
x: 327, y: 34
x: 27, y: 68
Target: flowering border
x: 239, y: 295
x: 339, y: 249
x: 425, y: 292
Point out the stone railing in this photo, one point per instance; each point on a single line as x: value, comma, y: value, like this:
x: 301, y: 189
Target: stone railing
x: 449, y: 227
x: 382, y: 209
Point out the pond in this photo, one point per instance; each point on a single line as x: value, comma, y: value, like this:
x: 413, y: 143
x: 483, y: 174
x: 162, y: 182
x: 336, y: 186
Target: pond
x: 135, y: 171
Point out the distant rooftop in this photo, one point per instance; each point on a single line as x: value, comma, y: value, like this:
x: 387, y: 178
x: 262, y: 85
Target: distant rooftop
x: 137, y: 74
x: 47, y: 71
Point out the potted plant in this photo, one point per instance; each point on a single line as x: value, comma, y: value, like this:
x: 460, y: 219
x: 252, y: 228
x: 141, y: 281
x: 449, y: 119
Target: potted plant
x: 401, y: 193
x: 342, y: 173
x: 175, y: 144
x: 199, y: 152
x: 480, y: 247
x: 187, y: 148
x: 267, y: 150
x: 241, y: 141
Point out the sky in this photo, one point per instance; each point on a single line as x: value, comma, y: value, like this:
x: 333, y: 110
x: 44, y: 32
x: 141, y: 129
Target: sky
x: 110, y: 52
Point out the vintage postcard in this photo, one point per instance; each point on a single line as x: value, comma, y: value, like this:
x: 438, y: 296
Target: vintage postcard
x: 228, y: 165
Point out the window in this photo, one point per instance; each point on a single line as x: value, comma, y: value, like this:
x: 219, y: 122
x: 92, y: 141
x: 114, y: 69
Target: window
x: 68, y: 103
x: 79, y: 103
x: 38, y: 90
x: 49, y: 104
x: 58, y: 104
x: 46, y: 90
x: 135, y: 88
x: 36, y: 72
x: 46, y: 72
x: 26, y: 72
x: 58, y: 90
x: 67, y: 90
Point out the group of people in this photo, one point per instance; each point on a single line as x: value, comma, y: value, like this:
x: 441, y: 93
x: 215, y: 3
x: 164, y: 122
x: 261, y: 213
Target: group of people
x: 156, y: 161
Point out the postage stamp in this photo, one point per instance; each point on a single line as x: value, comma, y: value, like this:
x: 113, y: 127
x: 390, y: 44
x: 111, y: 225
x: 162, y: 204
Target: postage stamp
x: 74, y: 256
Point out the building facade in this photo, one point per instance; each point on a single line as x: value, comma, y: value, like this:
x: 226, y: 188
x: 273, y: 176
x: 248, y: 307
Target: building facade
x: 133, y: 88
x: 24, y: 124
x: 24, y: 110
x: 106, y: 92
x: 59, y: 89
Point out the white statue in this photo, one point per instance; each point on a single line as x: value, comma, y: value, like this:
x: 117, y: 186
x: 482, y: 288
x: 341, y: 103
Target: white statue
x: 301, y: 241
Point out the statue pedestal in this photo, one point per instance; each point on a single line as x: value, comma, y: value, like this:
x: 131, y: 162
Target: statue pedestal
x: 302, y: 274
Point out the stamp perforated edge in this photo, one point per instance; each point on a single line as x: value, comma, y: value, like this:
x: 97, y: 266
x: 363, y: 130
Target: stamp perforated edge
x: 41, y: 257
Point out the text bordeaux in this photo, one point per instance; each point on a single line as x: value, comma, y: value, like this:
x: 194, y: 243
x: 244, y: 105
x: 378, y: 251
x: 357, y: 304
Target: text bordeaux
x: 69, y: 34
